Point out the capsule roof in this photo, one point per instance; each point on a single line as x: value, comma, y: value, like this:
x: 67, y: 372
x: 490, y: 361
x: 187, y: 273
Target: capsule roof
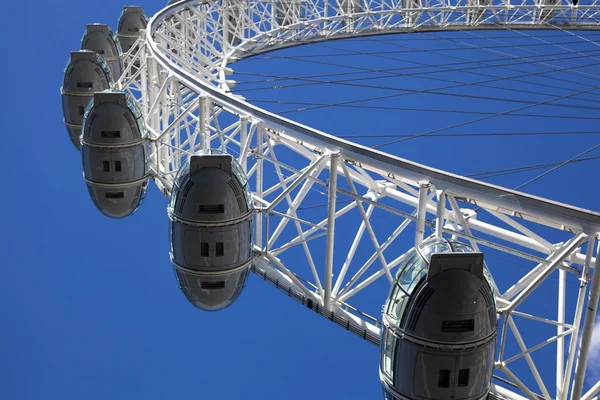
x: 101, y: 39
x: 89, y: 65
x: 85, y: 73
x: 444, y: 280
x: 218, y: 180
x: 416, y: 264
x: 132, y: 123
x: 132, y: 20
x: 135, y: 10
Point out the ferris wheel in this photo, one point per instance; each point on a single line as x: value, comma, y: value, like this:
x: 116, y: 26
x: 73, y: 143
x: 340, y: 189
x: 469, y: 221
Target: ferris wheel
x: 156, y: 102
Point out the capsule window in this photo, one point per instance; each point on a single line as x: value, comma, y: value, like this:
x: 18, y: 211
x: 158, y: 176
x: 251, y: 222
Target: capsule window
x: 85, y: 85
x: 110, y: 134
x: 204, y: 249
x: 212, y: 285
x: 115, y: 195
x: 463, y: 377
x: 106, y: 166
x: 100, y: 51
x: 220, y: 249
x: 211, y: 208
x: 444, y: 378
x: 81, y: 110
x: 133, y: 29
x: 459, y: 326
x: 118, y: 166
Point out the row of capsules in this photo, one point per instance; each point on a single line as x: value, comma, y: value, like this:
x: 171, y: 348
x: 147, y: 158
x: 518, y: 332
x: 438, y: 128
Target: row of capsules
x: 210, y: 210
x: 104, y: 123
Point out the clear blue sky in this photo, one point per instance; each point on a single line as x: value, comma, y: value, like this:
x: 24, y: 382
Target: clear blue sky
x: 90, y: 307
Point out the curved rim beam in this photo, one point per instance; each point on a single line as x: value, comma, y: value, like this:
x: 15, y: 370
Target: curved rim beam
x: 490, y: 196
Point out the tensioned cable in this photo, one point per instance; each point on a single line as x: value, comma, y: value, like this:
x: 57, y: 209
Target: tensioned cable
x: 420, y: 74
x: 491, y: 51
x: 375, y: 39
x: 451, y: 135
x: 438, y: 110
x: 484, y: 62
x: 514, y: 170
x: 477, y: 48
x: 415, y: 38
x: 557, y: 167
x: 560, y: 165
x: 509, y: 56
x: 464, y: 46
x: 433, y: 91
x: 470, y: 84
x: 479, y: 119
x: 437, y: 91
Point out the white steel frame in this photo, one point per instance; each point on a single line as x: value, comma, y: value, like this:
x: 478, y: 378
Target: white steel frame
x: 182, y: 84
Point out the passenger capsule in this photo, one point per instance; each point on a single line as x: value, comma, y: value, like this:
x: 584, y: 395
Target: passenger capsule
x: 233, y: 24
x: 211, y: 229
x: 543, y: 13
x: 132, y: 22
x: 477, y: 13
x: 85, y: 74
x: 440, y: 325
x: 114, y: 154
x: 101, y: 39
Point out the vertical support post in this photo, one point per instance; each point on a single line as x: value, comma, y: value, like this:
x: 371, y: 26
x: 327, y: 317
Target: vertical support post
x: 441, y: 209
x: 243, y: 139
x: 577, y: 319
x: 333, y: 167
x: 588, y: 326
x: 144, y: 78
x: 259, y: 183
x: 560, y: 343
x: 203, y: 122
x: 176, y: 114
x: 163, y: 118
x: 421, y: 212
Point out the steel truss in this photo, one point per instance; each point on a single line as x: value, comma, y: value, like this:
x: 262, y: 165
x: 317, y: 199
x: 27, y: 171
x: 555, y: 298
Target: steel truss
x: 179, y: 72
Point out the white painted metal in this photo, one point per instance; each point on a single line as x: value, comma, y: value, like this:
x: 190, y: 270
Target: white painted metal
x: 183, y: 87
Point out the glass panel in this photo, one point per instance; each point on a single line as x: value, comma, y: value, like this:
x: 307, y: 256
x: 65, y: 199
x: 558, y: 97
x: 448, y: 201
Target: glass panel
x: 115, y: 39
x: 434, y: 246
x: 396, y: 305
x: 412, y: 273
x: 488, y: 277
x: 136, y: 110
x: 182, y: 175
x: 461, y: 247
x: 419, y: 274
x: 389, y: 348
x: 407, y: 260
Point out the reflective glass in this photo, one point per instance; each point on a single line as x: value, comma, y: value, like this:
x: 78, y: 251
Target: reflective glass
x: 136, y: 110
x: 177, y: 183
x: 412, y: 273
x: 407, y: 260
x: 389, y: 347
x: 461, y: 247
x: 396, y: 305
x: 488, y: 277
x: 430, y: 247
